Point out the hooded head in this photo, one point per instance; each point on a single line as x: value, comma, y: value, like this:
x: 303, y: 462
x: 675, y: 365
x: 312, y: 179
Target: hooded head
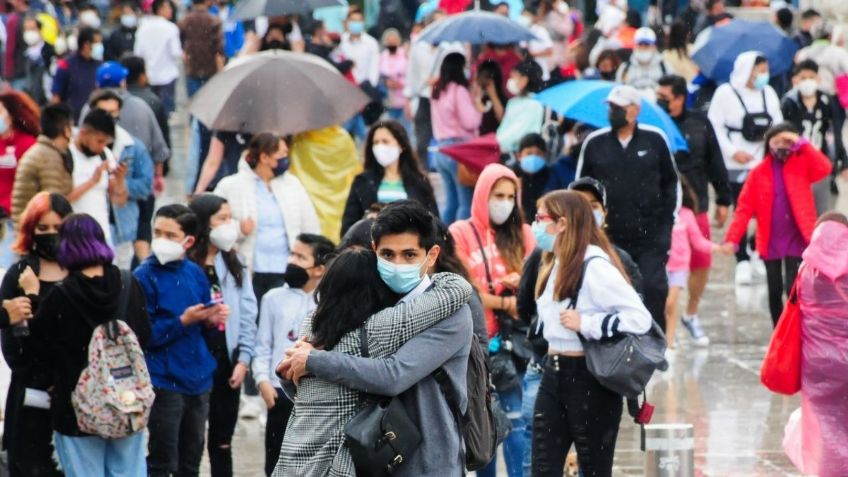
x: 746, y: 68
x: 483, y: 194
x: 827, y: 252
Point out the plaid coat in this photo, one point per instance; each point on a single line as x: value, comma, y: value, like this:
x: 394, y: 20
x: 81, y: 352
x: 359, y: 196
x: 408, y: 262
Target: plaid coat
x: 314, y: 440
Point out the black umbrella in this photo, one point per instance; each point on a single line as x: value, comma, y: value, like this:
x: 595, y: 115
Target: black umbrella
x: 250, y: 9
x: 277, y: 91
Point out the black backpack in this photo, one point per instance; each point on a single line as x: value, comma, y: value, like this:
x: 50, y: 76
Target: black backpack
x: 484, y: 424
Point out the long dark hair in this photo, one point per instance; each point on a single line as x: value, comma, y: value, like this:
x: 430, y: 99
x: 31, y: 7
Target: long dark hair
x: 509, y: 236
x: 678, y: 38
x: 491, y: 69
x: 448, y: 260
x: 452, y: 71
x: 205, y: 206
x: 350, y: 291
x: 690, y: 198
x: 410, y: 172
x: 262, y: 143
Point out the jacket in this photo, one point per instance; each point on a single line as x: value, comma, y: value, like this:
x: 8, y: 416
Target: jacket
x: 66, y: 317
x: 42, y: 168
x: 644, y: 77
x: 240, y: 331
x: 523, y: 115
x: 12, y: 149
x: 803, y: 168
x: 726, y: 113
x: 467, y: 247
x: 298, y: 212
x: 641, y: 182
x: 313, y: 446
x: 148, y: 96
x: 703, y: 163
x: 686, y: 237
x: 131, y: 151
x: 829, y: 118
x: 282, y: 314
x: 363, y: 194
x: 177, y: 356
x: 454, y: 115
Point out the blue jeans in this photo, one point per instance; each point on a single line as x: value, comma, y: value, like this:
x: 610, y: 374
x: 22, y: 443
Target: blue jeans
x: 168, y: 94
x: 97, y: 457
x: 532, y: 380
x: 193, y: 83
x: 356, y: 127
x: 515, y: 444
x: 398, y: 115
x: 457, y: 196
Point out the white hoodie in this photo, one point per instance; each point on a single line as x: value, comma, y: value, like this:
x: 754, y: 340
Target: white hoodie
x: 727, y: 112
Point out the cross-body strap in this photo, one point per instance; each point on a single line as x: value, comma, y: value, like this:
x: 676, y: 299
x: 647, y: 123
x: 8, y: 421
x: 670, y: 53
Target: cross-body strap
x: 441, y: 377
x: 573, y: 304
x: 485, y: 259
x: 745, y: 108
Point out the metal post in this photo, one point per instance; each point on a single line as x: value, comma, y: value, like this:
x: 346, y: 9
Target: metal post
x: 669, y: 450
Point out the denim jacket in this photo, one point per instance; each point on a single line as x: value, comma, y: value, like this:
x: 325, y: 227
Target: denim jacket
x: 131, y: 150
x: 240, y: 330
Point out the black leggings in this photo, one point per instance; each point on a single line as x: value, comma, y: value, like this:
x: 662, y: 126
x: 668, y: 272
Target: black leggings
x: 275, y: 430
x: 573, y: 408
x: 742, y: 251
x: 223, y: 416
x: 780, y: 275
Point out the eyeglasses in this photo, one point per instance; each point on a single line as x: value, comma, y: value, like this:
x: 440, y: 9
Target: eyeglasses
x: 544, y: 218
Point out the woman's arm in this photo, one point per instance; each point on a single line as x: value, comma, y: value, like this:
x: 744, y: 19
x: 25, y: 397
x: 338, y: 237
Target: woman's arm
x: 389, y: 329
x: 247, y: 321
x: 620, y: 308
x: 210, y: 165
x: 743, y: 212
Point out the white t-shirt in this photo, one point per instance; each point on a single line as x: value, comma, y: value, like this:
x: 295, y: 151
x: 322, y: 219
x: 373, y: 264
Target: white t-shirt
x: 95, y: 202
x: 158, y: 42
x: 543, y: 43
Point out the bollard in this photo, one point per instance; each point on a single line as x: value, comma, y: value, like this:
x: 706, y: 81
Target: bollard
x: 669, y: 450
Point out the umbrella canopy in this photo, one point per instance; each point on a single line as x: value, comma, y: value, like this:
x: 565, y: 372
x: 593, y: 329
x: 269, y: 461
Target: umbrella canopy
x: 584, y: 100
x: 250, y: 9
x: 277, y: 91
x: 477, y: 27
x: 716, y: 56
x: 475, y: 154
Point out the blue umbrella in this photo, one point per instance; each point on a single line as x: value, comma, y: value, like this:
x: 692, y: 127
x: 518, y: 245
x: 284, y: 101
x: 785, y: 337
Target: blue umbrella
x: 584, y: 101
x: 477, y: 27
x: 727, y: 42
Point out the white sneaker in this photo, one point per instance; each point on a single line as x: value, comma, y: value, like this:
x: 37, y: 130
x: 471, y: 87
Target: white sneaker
x: 758, y: 267
x: 251, y: 407
x: 693, y: 325
x: 743, y: 273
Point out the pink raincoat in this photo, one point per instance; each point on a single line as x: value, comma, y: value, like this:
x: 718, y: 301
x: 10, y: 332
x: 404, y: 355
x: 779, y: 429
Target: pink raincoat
x: 823, y: 293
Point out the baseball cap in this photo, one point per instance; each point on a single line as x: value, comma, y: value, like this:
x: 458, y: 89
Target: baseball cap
x: 645, y: 36
x: 624, y: 95
x: 592, y: 186
x: 110, y: 74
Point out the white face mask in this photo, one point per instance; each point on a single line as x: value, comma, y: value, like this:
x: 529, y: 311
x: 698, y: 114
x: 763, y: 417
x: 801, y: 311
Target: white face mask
x: 385, y: 154
x: 808, y: 87
x: 167, y: 251
x: 72, y: 43
x: 97, y: 51
x: 61, y: 46
x: 225, y: 236
x: 89, y: 18
x: 643, y: 56
x: 500, y: 210
x: 512, y: 87
x: 32, y: 37
x: 129, y: 21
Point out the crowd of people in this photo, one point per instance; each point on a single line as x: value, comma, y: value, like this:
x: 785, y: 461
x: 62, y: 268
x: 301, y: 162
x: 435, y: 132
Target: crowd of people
x: 245, y: 293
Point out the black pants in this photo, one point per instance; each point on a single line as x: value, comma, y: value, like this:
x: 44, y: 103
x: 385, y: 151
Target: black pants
x: 275, y: 430
x: 177, y: 429
x: 654, y: 280
x: 573, y: 408
x: 223, y: 415
x: 28, y: 436
x: 423, y: 125
x: 262, y: 284
x: 742, y: 253
x: 780, y: 275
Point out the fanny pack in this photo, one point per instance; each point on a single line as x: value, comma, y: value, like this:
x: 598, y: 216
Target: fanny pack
x: 754, y: 125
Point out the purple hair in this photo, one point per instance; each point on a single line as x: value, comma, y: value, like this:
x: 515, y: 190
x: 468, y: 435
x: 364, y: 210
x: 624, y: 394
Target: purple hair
x: 83, y: 243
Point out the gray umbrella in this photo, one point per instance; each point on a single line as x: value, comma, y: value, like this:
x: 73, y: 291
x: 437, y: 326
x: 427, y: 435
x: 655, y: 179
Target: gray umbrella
x: 249, y: 9
x: 277, y: 91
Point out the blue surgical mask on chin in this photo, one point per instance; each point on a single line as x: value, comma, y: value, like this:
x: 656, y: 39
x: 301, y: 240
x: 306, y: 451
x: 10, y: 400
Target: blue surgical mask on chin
x: 401, y: 279
x: 544, y: 240
x: 532, y: 163
x: 356, y: 28
x: 761, y: 81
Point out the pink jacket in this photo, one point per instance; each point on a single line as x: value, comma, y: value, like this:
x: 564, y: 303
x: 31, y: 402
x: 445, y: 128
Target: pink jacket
x: 685, y: 237
x: 454, y: 114
x: 394, y: 67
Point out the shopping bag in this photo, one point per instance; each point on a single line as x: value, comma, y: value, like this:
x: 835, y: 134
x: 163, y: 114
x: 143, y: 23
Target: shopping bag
x: 841, y: 84
x: 781, y: 370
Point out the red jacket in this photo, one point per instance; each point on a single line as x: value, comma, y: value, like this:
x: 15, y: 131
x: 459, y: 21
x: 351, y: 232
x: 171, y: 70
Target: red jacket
x: 803, y: 168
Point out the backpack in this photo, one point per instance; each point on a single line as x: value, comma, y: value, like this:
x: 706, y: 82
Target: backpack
x: 550, y: 132
x: 114, y: 394
x: 484, y: 424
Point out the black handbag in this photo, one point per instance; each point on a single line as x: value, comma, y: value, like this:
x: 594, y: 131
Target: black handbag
x: 381, y: 436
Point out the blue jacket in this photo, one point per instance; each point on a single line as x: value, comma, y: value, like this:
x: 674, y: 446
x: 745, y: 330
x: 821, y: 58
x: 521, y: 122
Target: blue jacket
x: 241, y: 324
x: 177, y: 356
x: 139, y: 184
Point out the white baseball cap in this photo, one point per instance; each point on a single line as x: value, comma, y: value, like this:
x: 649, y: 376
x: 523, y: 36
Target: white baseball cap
x: 645, y: 35
x: 624, y: 96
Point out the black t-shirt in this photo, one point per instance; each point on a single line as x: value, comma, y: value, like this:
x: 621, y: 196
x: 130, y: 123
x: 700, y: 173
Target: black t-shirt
x: 234, y: 146
x: 216, y: 338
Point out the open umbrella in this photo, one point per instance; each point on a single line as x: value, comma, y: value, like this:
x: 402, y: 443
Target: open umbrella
x: 725, y: 43
x: 583, y: 100
x: 476, y: 153
x: 250, y: 9
x: 476, y: 27
x: 277, y: 91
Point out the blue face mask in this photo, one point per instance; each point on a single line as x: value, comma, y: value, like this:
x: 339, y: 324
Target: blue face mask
x: 532, y: 164
x: 544, y: 240
x: 401, y: 279
x: 282, y: 167
x: 356, y: 28
x: 3, y: 126
x: 599, y: 218
x: 761, y: 81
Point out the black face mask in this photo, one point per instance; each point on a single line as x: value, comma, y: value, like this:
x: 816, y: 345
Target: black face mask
x: 781, y: 153
x: 275, y: 45
x: 296, y: 276
x: 46, y: 246
x: 282, y: 167
x: 664, y: 105
x: 617, y: 117
x: 610, y: 76
x: 392, y: 49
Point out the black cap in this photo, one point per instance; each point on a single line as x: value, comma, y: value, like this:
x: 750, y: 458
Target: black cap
x: 592, y: 186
